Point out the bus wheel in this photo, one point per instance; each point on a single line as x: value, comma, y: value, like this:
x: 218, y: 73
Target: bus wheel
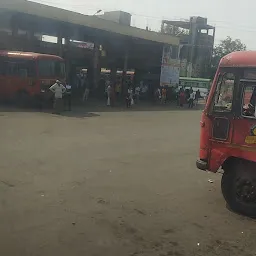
x: 239, y: 187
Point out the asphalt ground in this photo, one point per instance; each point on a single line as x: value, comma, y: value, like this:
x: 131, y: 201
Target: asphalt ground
x: 112, y: 182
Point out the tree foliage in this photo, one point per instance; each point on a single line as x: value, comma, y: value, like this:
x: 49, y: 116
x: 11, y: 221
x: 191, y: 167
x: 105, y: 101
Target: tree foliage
x: 225, y: 47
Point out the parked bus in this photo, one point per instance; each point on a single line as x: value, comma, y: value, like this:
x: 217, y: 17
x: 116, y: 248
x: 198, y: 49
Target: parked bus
x: 25, y: 75
x: 228, y: 130
x: 196, y: 83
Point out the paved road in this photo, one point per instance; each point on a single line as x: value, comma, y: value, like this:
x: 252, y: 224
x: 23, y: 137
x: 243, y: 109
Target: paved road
x: 112, y: 183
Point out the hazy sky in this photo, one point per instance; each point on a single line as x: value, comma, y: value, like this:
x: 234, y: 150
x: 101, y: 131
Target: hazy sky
x: 231, y: 18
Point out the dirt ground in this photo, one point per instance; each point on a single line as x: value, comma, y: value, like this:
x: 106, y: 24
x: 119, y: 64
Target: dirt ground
x: 112, y: 183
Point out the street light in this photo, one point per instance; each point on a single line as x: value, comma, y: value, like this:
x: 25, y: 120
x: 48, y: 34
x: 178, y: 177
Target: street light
x: 99, y: 11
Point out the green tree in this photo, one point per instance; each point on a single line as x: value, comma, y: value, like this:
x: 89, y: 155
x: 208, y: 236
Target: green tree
x: 225, y: 47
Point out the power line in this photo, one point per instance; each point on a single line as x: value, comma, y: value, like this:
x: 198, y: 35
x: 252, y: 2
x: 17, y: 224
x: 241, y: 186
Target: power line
x: 229, y: 25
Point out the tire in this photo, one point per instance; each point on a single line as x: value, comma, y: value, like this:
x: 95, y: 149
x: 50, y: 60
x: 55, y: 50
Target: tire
x: 239, y: 187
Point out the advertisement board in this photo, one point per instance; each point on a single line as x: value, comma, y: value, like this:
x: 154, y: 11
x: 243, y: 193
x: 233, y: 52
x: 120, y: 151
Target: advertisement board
x: 170, y: 68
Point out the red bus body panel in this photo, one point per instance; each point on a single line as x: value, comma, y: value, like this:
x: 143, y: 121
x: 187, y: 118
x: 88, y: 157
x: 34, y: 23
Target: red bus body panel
x: 213, y: 153
x: 10, y: 85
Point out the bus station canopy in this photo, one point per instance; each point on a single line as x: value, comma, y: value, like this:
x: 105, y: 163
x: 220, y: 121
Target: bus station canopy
x: 92, y: 22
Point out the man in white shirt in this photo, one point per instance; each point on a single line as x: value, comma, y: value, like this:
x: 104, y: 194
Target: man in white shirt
x: 58, y: 89
x: 191, y: 99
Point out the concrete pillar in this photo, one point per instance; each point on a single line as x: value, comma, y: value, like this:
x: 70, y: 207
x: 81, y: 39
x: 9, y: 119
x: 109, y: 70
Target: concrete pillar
x: 31, y: 42
x: 59, y: 44
x: 113, y: 74
x: 31, y: 31
x: 124, y: 75
x: 96, y: 64
x: 12, y: 45
x: 14, y: 25
x: 66, y: 55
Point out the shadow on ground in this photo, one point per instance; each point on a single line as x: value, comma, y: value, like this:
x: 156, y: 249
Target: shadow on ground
x: 94, y: 107
x: 77, y: 112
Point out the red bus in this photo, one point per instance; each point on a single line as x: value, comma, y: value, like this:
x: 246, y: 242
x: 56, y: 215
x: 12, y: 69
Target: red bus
x: 25, y: 75
x: 228, y: 130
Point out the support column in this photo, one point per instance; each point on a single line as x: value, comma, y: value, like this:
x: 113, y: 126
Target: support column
x: 96, y: 64
x: 124, y: 75
x: 30, y: 45
x: 113, y: 74
x: 14, y: 25
x: 67, y: 59
x: 59, y: 43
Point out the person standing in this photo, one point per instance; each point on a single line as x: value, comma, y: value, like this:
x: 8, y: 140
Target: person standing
x: 107, y: 84
x: 137, y: 94
x: 67, y: 97
x: 130, y: 93
x: 86, y: 94
x: 128, y: 100
x: 182, y: 98
x: 178, y: 95
x: 191, y: 100
x: 197, y: 97
x: 157, y: 95
x: 58, y: 89
x: 109, y: 94
x: 164, y: 94
x: 112, y: 96
x: 118, y: 89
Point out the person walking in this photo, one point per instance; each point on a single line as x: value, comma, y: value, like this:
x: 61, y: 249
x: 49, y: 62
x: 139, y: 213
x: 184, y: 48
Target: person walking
x: 182, y: 98
x: 177, y: 91
x: 198, y: 95
x: 58, y: 89
x: 67, y: 97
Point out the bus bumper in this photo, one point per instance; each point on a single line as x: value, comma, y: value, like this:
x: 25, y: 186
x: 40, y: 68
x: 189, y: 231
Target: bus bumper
x: 201, y: 164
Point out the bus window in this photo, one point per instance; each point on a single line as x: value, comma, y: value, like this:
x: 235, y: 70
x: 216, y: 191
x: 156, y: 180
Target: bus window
x: 249, y: 100
x: 19, y: 68
x: 51, y: 69
x: 224, y: 93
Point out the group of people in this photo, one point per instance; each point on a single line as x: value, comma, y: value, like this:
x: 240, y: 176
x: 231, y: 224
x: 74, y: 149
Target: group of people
x: 113, y: 93
x: 116, y: 92
x: 161, y: 95
x: 188, y: 96
x: 132, y: 96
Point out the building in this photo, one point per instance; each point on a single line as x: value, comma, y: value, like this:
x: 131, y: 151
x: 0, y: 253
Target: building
x: 91, y: 42
x: 123, y: 18
x: 196, y: 45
